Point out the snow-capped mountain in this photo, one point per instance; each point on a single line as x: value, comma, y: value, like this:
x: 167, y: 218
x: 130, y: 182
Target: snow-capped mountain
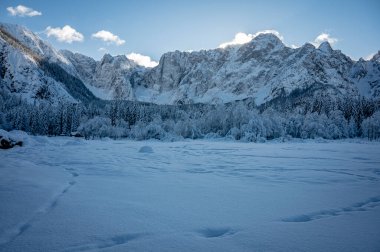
x: 109, y: 78
x: 262, y: 69
x: 366, y: 75
x: 29, y: 66
x: 20, y: 53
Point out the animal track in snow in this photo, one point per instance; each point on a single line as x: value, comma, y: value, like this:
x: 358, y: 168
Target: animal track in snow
x: 15, y: 232
x: 360, y: 206
x: 103, y: 243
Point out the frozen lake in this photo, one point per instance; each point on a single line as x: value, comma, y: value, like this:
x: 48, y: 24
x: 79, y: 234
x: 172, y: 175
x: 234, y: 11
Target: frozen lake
x: 65, y: 194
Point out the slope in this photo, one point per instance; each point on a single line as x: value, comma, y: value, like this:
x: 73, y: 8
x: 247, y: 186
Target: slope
x: 53, y: 75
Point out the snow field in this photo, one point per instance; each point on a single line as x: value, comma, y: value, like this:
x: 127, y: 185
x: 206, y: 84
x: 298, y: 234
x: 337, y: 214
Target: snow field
x: 66, y: 194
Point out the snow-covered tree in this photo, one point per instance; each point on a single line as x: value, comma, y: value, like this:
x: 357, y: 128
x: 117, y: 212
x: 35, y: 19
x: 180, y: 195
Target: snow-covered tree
x: 371, y: 126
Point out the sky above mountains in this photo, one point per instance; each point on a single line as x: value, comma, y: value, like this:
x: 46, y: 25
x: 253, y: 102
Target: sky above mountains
x: 151, y: 28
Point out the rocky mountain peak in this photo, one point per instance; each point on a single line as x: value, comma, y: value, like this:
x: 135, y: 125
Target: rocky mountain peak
x: 106, y: 59
x: 376, y: 57
x: 325, y: 47
x: 265, y: 41
x: 267, y: 38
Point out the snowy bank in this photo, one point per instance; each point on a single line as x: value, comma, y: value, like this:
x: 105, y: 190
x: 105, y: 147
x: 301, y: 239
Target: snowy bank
x: 13, y: 138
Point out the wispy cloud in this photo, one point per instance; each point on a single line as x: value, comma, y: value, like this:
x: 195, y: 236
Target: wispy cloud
x: 109, y: 37
x: 102, y: 49
x: 23, y: 11
x: 323, y: 37
x: 142, y: 60
x: 65, y: 34
x: 243, y: 38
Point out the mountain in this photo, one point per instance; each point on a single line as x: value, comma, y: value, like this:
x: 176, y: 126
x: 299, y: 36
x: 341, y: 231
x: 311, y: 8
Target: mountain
x: 35, y: 70
x: 366, y: 76
x: 20, y: 54
x: 109, y: 78
x: 262, y: 69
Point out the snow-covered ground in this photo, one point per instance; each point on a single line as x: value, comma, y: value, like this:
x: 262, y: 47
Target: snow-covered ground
x: 65, y: 194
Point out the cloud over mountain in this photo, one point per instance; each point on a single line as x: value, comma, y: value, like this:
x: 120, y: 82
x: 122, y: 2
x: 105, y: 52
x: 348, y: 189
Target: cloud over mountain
x: 65, y: 34
x: 108, y: 37
x: 23, y: 11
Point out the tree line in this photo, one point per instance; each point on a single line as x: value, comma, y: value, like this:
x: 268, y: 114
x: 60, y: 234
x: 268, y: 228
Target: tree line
x: 317, y: 116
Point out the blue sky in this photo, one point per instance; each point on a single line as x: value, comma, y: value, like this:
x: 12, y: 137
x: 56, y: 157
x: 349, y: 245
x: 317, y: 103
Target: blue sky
x: 155, y: 27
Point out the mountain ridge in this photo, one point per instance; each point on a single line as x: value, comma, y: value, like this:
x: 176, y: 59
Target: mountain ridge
x: 261, y: 69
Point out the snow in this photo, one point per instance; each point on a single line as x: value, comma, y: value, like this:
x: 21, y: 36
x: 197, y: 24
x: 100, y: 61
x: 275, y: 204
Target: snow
x: 15, y: 135
x: 146, y: 149
x: 262, y: 94
x: 144, y: 94
x: 101, y: 93
x: 366, y: 75
x: 69, y: 194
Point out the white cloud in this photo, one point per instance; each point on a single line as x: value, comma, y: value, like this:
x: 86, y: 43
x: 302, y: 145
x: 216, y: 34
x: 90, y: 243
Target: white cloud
x: 324, y: 37
x: 108, y: 37
x: 142, y: 60
x: 102, y: 49
x: 242, y: 38
x: 23, y: 11
x: 66, y: 34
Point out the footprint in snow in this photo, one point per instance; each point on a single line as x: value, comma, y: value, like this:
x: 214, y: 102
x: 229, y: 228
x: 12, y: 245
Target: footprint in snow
x: 357, y: 207
x: 215, y: 232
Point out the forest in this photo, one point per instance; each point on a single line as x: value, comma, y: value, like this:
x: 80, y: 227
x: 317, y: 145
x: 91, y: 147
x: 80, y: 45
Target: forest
x: 293, y: 116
